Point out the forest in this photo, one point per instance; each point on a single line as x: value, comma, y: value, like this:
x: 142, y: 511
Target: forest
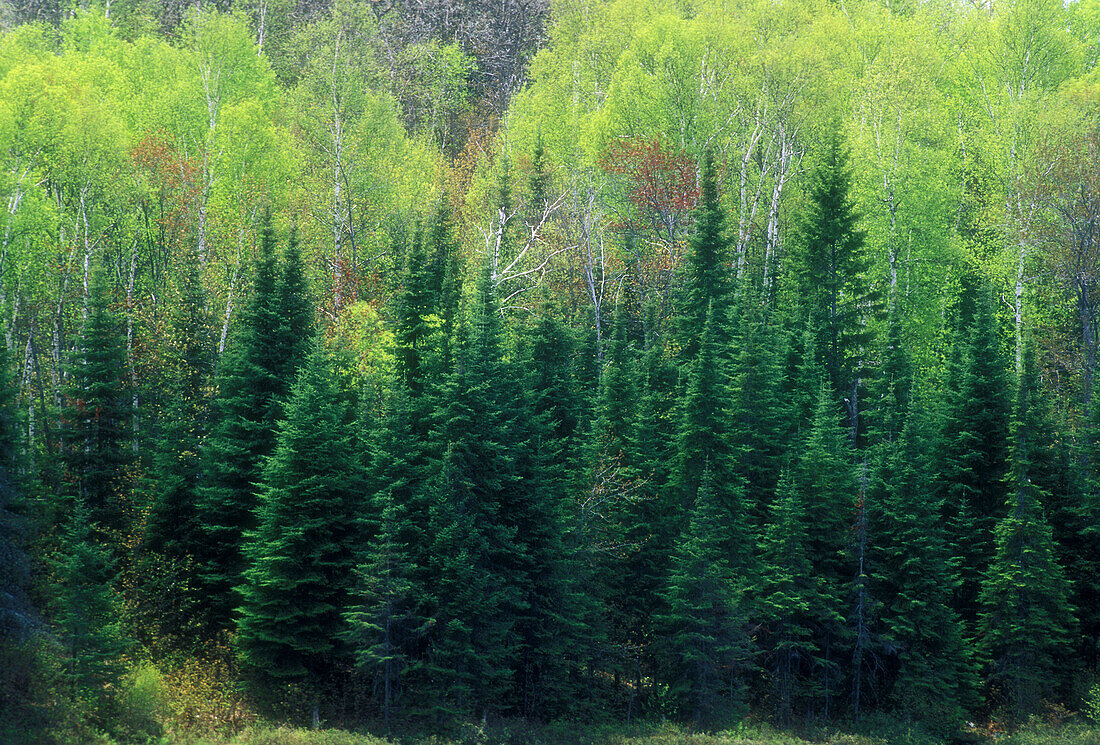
x: 412, y: 367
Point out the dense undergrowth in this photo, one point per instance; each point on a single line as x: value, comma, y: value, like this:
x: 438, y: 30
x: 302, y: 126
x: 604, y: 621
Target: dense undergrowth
x: 189, y: 702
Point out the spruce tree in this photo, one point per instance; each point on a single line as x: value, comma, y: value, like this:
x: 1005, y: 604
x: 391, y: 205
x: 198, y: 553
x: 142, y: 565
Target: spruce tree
x: 294, y: 330
x: 707, y: 622
x: 1075, y: 520
x: 253, y: 380
x: 826, y: 482
x: 166, y: 572
x: 703, y: 439
x: 832, y: 270
x: 705, y: 285
x: 478, y: 579
x: 381, y: 618
x: 561, y: 630
x: 789, y: 600
x: 300, y: 556
x: 933, y: 674
x: 473, y: 644
x: 757, y: 413
x: 1026, y: 620
x: 87, y: 613
x: 974, y: 449
x: 97, y: 417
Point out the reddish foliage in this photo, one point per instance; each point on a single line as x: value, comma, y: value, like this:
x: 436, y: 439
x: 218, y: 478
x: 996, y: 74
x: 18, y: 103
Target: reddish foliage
x: 174, y: 180
x: 345, y: 286
x: 664, y: 187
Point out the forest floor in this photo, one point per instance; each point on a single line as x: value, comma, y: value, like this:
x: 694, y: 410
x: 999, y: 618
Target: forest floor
x: 882, y: 733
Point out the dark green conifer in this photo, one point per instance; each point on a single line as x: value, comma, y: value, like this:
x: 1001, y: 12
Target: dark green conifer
x: 172, y: 537
x: 1026, y: 618
x: 705, y: 287
x: 832, y: 270
x: 757, y: 413
x: 382, y: 622
x: 300, y: 556
x: 87, y: 612
x: 933, y: 680
x: 294, y: 310
x: 98, y: 416
x: 253, y: 381
x: 707, y: 622
x: 825, y: 480
x: 789, y: 600
x: 974, y: 449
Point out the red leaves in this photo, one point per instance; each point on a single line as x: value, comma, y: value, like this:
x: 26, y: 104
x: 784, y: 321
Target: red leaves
x: 664, y: 187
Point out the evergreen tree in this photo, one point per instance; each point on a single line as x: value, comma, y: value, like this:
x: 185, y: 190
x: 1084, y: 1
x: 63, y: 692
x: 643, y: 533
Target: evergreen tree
x: 826, y: 482
x: 705, y: 286
x: 294, y: 328
x: 98, y: 416
x: 253, y: 380
x: 446, y: 277
x: 478, y: 579
x: 166, y: 565
x: 564, y: 629
x: 974, y: 450
x: 416, y: 306
x: 473, y: 644
x: 934, y: 676
x: 381, y: 619
x: 789, y: 601
x: 757, y: 412
x: 703, y: 437
x: 301, y: 554
x: 1075, y: 520
x: 832, y: 270
x: 1026, y: 619
x: 707, y: 624
x: 87, y: 613
x: 17, y: 617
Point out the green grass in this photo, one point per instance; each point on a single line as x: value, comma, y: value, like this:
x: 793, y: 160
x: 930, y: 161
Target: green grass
x: 518, y: 734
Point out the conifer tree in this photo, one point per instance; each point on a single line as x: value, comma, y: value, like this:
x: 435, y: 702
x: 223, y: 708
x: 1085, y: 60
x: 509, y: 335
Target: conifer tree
x: 446, y: 277
x: 564, y: 629
x: 703, y: 438
x: 628, y: 531
x: 1075, y: 521
x: 300, y: 556
x: 382, y: 619
x: 171, y: 528
x: 707, y: 623
x: 473, y: 644
x: 97, y: 418
x: 832, y: 278
x: 24, y: 689
x: 705, y: 286
x: 477, y: 480
x: 415, y: 305
x: 253, y: 380
x: 656, y: 519
x: 974, y: 449
x: 789, y: 602
x: 934, y: 678
x: 294, y: 328
x: 826, y: 482
x: 757, y: 413
x: 87, y: 612
x: 1026, y: 619
x: 166, y: 568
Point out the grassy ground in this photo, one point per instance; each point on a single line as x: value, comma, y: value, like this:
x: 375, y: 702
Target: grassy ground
x: 881, y: 733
